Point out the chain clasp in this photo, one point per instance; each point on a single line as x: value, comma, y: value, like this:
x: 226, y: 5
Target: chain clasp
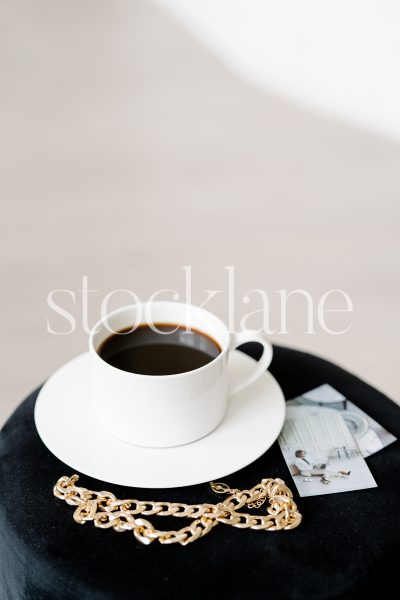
x: 222, y: 488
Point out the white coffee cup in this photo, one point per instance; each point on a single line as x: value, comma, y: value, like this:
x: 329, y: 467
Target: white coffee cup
x: 167, y: 410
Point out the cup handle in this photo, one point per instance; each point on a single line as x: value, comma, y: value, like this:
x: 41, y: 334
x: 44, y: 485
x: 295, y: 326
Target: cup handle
x: 241, y: 337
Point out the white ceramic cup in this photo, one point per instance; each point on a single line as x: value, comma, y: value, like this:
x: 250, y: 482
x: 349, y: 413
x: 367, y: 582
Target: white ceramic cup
x: 167, y: 410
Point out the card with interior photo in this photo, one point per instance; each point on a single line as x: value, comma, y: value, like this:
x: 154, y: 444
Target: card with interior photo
x: 320, y: 452
x: 369, y: 435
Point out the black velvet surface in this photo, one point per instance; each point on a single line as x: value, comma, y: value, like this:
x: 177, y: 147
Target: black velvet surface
x: 347, y: 546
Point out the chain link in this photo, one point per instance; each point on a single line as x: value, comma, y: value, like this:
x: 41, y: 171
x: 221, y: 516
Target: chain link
x: 106, y: 511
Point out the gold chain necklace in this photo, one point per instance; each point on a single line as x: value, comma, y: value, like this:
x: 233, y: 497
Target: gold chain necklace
x: 106, y: 511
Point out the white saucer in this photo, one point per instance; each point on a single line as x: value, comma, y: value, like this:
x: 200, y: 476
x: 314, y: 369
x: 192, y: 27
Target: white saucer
x: 67, y: 426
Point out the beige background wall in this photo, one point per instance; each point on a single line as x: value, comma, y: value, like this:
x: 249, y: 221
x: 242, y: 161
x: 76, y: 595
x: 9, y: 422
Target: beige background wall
x: 128, y: 151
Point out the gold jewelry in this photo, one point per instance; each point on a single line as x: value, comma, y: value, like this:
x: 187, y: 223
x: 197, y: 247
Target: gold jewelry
x: 106, y: 511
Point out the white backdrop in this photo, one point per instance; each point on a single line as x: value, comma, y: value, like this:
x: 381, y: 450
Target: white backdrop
x: 125, y: 141
x: 340, y: 57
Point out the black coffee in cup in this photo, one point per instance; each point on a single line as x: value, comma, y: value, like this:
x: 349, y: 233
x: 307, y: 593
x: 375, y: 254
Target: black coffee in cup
x: 159, y: 349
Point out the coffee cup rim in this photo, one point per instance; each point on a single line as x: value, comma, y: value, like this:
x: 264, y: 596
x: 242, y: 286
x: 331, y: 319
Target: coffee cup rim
x: 100, y: 323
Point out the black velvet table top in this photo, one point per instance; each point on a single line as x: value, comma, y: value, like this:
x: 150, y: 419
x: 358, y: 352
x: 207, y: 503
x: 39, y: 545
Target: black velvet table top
x: 347, y: 546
